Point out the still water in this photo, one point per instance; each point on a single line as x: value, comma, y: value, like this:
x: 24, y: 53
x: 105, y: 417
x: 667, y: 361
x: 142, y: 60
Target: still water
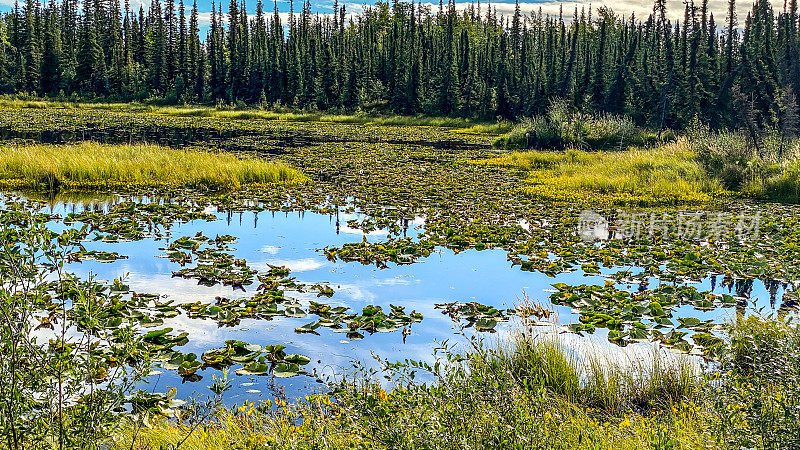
x: 295, y: 240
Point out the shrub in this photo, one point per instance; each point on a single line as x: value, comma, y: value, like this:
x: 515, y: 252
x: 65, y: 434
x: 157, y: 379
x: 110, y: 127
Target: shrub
x: 561, y: 128
x: 62, y: 384
x: 756, y: 393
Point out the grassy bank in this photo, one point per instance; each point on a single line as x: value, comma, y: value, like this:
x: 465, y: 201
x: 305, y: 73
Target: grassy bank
x: 530, y: 394
x: 92, y: 165
x: 288, y: 115
x: 607, y: 158
x: 668, y: 174
x: 534, y: 394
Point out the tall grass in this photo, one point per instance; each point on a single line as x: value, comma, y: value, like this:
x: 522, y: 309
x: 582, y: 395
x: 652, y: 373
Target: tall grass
x: 611, y: 383
x: 89, y: 164
x: 767, y: 170
x: 655, y: 383
x: 671, y: 173
x: 561, y: 127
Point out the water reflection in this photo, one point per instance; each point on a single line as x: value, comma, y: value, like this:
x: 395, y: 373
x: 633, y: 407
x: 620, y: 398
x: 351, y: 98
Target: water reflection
x: 293, y: 239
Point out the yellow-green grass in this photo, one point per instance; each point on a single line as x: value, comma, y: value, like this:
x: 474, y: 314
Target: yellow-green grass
x: 668, y: 174
x: 514, y: 396
x: 91, y: 165
x: 461, y: 124
x: 562, y: 426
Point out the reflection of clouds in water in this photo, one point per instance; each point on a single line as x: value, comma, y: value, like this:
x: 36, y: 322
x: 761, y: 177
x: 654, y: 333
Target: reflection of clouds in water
x: 348, y: 230
x: 181, y: 290
x: 270, y: 249
x: 295, y: 265
x: 356, y: 292
x: 205, y: 332
x: 399, y: 280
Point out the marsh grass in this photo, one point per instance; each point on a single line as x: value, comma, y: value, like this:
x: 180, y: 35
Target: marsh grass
x: 529, y: 394
x: 90, y: 164
x: 667, y: 174
x: 769, y: 170
x: 654, y: 383
x: 461, y: 125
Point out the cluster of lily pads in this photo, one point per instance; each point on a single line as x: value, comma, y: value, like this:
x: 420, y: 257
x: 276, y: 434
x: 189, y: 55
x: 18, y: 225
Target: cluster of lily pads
x: 481, y: 317
x: 131, y: 220
x: 214, y: 264
x: 372, y: 319
x: 642, y: 315
x: 255, y: 359
x: 398, y: 251
x: 115, y: 316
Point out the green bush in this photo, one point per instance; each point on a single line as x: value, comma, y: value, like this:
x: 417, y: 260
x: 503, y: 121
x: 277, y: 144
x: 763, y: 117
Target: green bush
x: 62, y: 384
x: 561, y: 128
x: 756, y: 394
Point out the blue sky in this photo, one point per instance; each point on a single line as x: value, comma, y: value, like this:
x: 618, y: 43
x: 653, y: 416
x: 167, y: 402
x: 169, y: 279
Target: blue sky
x: 503, y: 7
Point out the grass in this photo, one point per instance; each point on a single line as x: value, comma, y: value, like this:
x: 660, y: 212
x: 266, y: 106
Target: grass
x: 533, y: 393
x: 515, y: 396
x: 90, y: 165
x: 463, y: 125
x: 768, y: 170
x: 669, y: 174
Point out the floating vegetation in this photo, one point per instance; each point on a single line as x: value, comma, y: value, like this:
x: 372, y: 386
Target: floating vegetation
x: 372, y: 319
x: 401, y: 251
x: 95, y: 255
x: 481, y: 317
x: 640, y: 316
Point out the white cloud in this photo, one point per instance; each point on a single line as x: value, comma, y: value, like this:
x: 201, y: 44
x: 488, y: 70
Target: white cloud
x: 642, y: 9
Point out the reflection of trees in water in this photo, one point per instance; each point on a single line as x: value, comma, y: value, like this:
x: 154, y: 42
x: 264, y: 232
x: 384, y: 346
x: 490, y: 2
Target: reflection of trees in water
x: 772, y: 287
x: 742, y: 289
x: 789, y: 302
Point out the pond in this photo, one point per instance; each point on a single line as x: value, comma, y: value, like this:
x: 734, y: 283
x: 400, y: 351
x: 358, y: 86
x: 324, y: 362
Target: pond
x: 295, y: 240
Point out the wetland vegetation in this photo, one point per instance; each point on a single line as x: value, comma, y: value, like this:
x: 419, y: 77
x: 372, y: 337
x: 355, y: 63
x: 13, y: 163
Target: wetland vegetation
x: 670, y: 363
x: 88, y: 165
x: 411, y: 229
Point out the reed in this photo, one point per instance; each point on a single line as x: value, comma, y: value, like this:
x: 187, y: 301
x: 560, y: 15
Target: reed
x: 670, y: 173
x: 90, y: 164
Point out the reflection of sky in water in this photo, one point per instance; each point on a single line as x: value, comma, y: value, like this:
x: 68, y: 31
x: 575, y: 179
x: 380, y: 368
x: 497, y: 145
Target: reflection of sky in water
x: 293, y: 240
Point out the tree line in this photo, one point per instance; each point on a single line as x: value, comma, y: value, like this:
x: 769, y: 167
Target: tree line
x: 408, y: 58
